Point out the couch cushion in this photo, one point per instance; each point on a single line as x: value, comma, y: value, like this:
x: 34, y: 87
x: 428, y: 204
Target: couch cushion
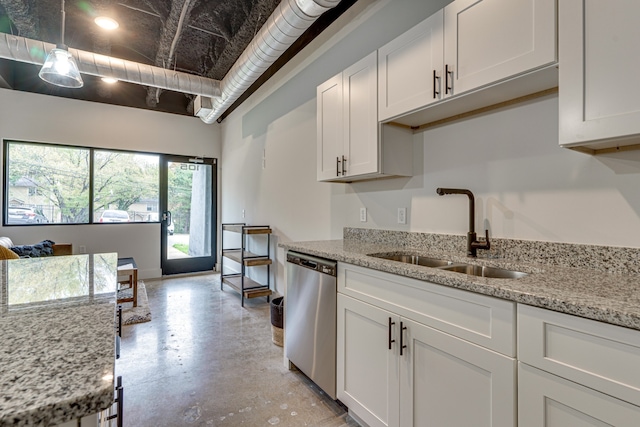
x: 44, y: 248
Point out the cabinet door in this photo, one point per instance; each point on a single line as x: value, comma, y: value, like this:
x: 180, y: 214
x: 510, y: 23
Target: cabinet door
x: 446, y: 381
x: 599, y: 91
x: 360, y: 109
x: 329, y: 128
x: 367, y: 370
x: 491, y: 40
x: 545, y: 400
x: 406, y: 67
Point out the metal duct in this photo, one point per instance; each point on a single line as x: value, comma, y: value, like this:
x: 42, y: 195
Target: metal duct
x: 288, y: 21
x: 35, y: 52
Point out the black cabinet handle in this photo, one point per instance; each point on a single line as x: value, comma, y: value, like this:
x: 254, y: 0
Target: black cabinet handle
x: 402, y: 345
x: 435, y: 85
x: 391, y: 323
x: 448, y: 87
x: 344, y: 170
x: 337, y: 166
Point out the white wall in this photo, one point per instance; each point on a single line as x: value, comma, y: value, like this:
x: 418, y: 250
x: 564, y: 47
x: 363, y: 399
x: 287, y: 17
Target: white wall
x: 32, y: 117
x: 526, y: 186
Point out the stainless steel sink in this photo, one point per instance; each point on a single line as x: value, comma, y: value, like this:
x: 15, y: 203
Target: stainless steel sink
x: 482, y: 271
x: 414, y: 259
x: 443, y: 264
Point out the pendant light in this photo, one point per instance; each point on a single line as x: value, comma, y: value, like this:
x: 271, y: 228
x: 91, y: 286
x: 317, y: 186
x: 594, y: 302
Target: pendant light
x: 60, y: 67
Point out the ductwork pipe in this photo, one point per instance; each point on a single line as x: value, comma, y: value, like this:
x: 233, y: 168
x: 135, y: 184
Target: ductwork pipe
x: 288, y: 21
x: 35, y: 52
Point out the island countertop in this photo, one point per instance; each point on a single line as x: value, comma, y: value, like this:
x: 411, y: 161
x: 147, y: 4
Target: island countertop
x: 57, y: 328
x: 592, y: 294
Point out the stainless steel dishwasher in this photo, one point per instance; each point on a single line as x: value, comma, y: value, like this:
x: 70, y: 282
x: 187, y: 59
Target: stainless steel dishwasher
x: 310, y: 318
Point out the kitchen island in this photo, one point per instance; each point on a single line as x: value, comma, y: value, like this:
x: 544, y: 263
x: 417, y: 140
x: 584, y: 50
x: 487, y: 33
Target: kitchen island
x: 57, y: 323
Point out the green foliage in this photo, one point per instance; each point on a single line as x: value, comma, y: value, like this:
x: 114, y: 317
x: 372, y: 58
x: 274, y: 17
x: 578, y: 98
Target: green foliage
x: 182, y: 247
x: 62, y: 176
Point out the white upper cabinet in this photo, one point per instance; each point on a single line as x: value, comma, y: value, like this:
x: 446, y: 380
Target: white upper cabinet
x: 490, y: 40
x: 360, y: 113
x: 470, y: 55
x: 599, y: 92
x: 329, y: 127
x: 351, y: 144
x: 410, y: 69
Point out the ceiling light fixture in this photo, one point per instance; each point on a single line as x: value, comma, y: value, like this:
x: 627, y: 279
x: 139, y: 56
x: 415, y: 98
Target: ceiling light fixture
x: 109, y: 80
x: 106, y: 22
x: 60, y: 67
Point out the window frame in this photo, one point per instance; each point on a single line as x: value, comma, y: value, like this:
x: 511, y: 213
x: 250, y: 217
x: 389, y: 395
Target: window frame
x: 91, y: 220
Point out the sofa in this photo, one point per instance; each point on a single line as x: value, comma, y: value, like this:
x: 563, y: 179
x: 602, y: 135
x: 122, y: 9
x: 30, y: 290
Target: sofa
x: 44, y: 248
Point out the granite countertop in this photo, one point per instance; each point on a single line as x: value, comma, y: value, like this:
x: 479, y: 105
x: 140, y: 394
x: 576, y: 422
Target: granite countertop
x: 592, y: 294
x: 57, y: 326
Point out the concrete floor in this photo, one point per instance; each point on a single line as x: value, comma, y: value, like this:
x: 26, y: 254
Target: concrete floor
x: 205, y: 361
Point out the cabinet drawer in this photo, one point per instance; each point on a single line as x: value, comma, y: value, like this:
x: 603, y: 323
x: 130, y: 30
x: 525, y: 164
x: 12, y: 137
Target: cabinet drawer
x: 598, y: 355
x: 480, y: 319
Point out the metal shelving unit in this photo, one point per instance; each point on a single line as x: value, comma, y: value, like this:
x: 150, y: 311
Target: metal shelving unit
x: 243, y: 258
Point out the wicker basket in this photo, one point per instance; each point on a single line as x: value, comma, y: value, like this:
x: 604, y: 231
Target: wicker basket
x: 277, y: 336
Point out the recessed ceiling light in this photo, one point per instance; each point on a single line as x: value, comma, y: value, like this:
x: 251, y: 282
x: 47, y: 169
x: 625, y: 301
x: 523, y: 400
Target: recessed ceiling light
x: 106, y: 23
x: 109, y: 80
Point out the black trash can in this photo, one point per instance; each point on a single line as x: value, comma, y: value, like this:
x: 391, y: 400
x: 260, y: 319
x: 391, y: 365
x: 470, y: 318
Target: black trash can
x: 277, y: 311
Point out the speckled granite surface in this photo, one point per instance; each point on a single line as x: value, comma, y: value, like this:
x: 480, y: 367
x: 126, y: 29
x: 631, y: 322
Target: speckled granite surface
x: 57, y: 329
x: 575, y: 287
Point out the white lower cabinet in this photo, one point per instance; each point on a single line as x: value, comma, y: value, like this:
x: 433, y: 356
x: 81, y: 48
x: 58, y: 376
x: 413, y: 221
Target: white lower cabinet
x: 393, y: 371
x: 368, y: 376
x: 576, y: 372
x: 546, y: 400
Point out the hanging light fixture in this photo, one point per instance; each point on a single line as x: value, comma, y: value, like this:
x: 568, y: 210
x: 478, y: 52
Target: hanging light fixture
x: 60, y: 67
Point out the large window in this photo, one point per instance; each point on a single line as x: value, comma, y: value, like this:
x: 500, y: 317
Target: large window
x: 57, y: 184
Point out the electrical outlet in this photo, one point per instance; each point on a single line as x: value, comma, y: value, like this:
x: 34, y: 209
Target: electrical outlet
x: 363, y: 214
x: 402, y: 215
x: 82, y: 249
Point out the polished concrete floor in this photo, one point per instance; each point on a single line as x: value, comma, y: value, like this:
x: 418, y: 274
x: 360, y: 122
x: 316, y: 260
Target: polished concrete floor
x: 203, y: 360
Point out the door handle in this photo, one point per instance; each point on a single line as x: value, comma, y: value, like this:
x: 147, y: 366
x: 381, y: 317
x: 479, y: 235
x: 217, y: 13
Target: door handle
x: 391, y: 323
x: 337, y: 166
x: 435, y: 86
x: 344, y: 171
x: 166, y: 217
x: 402, y: 345
x: 448, y: 88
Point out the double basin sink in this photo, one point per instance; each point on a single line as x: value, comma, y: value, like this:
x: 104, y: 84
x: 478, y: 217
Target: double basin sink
x: 443, y: 264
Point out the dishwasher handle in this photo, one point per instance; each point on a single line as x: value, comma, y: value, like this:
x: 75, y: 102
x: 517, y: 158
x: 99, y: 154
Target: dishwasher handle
x: 309, y: 264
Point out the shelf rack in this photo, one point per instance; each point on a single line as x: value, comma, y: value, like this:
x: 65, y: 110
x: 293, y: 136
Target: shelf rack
x: 247, y: 287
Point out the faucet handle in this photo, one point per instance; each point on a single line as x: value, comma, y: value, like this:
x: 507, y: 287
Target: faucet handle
x: 487, y: 244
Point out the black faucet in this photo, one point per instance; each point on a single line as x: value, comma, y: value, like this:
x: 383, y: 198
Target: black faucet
x: 472, y: 244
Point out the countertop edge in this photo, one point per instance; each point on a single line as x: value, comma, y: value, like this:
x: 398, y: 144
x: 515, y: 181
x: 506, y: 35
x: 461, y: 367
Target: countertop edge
x: 546, y: 286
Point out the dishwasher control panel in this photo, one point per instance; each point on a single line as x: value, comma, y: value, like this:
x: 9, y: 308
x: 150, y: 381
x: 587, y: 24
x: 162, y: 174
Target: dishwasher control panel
x: 320, y: 265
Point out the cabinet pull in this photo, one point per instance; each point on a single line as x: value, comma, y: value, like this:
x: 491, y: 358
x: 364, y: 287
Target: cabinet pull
x: 391, y: 323
x: 435, y: 85
x: 402, y: 345
x: 344, y: 170
x: 337, y: 166
x: 448, y: 89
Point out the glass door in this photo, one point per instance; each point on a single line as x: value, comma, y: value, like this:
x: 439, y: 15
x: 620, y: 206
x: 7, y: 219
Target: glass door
x: 188, y: 199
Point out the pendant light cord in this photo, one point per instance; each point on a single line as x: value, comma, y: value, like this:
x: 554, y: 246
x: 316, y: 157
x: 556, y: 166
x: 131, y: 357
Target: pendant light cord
x: 62, y: 26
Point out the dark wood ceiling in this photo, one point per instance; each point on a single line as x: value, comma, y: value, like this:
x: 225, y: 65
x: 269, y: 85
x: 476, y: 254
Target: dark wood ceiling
x: 202, y: 37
